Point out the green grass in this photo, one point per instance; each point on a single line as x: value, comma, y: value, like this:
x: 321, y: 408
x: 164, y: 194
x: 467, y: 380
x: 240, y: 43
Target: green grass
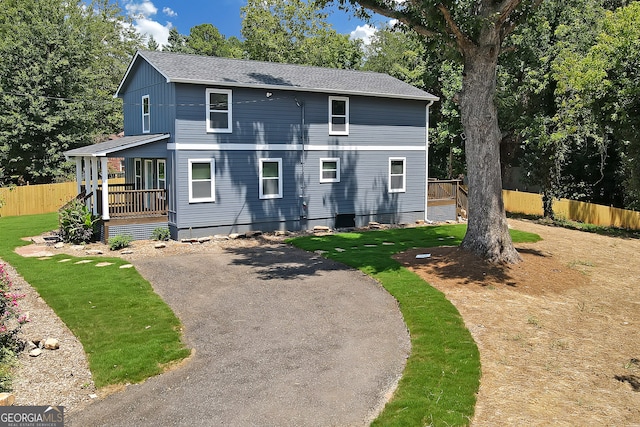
x: 442, y: 375
x: 127, y: 331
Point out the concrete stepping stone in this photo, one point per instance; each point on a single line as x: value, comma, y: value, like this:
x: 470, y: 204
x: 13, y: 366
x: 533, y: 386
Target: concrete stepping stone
x: 127, y: 266
x: 103, y: 264
x: 370, y: 246
x: 388, y: 243
x: 44, y: 258
x: 84, y: 261
x: 65, y: 260
x: 340, y: 250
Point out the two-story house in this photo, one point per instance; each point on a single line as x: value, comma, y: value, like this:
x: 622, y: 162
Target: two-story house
x: 217, y: 145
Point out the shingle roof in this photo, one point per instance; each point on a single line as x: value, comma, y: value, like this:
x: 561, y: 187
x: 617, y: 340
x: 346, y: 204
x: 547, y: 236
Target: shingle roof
x: 102, y: 149
x: 183, y: 68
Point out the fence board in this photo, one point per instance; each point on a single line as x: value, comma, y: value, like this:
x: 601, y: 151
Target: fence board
x: 590, y: 213
x: 37, y: 199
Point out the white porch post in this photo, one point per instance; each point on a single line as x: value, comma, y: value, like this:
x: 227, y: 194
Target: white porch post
x: 104, y: 168
x: 79, y: 174
x: 87, y: 179
x: 94, y: 183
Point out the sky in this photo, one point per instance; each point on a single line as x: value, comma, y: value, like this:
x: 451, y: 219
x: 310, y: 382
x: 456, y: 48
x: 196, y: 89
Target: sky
x: 157, y: 17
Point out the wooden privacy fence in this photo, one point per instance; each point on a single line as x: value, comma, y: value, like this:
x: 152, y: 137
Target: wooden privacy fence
x: 531, y: 204
x: 37, y: 199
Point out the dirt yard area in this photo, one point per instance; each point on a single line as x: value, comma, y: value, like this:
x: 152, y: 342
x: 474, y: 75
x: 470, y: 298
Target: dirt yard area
x: 558, y: 333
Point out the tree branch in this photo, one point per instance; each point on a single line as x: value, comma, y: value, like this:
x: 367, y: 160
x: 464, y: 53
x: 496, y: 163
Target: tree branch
x: 374, y: 6
x: 463, y: 41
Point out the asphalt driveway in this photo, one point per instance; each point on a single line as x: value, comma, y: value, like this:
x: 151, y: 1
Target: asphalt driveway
x: 281, y: 337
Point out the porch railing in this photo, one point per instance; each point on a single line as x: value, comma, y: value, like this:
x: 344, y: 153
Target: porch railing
x: 132, y: 203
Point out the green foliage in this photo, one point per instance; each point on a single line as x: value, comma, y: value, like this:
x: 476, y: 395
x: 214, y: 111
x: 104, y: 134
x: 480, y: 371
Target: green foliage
x: 11, y: 318
x: 127, y: 331
x: 77, y: 223
x: 61, y: 63
x: 441, y: 377
x: 295, y: 32
x: 205, y: 39
x: 7, y: 362
x: 120, y: 241
x: 161, y: 233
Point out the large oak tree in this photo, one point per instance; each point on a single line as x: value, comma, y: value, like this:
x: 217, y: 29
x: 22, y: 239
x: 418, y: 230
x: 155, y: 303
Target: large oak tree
x: 472, y: 31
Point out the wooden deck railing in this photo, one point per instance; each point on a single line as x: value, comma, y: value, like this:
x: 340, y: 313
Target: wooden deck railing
x: 132, y: 203
x: 443, y: 190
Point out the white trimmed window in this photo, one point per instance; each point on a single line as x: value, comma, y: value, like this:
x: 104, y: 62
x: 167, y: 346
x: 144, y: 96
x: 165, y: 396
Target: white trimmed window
x: 138, y: 173
x: 397, y: 174
x: 338, y: 115
x: 201, y: 180
x: 270, y: 178
x: 146, y: 114
x: 162, y: 174
x: 330, y: 170
x: 219, y: 103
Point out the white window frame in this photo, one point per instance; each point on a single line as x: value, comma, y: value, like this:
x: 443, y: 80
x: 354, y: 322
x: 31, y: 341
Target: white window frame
x: 137, y: 173
x: 261, y: 179
x: 147, y: 115
x: 330, y: 159
x: 161, y: 180
x: 229, y: 110
x: 404, y: 174
x: 346, y: 115
x: 212, y: 180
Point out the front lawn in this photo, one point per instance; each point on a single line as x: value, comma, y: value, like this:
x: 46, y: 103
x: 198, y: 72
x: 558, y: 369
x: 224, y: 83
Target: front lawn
x: 127, y: 331
x: 442, y: 375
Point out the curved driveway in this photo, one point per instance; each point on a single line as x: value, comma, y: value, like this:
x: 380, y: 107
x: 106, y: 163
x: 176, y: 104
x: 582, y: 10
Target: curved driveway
x: 281, y: 337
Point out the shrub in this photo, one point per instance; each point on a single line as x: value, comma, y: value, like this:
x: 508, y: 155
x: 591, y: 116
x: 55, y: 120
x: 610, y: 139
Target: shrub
x: 161, y: 233
x: 120, y: 241
x: 77, y: 223
x: 11, y: 320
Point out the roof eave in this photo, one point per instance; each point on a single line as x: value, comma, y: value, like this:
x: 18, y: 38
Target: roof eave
x: 130, y: 67
x: 106, y: 152
x: 427, y: 97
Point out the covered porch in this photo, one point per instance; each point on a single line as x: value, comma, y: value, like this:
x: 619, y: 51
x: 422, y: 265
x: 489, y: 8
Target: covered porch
x: 141, y: 198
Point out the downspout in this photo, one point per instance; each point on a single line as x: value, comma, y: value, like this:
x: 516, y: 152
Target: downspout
x: 303, y: 186
x: 426, y: 166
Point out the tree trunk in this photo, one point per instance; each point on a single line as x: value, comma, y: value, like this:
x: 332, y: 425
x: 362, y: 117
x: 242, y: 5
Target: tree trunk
x: 487, y: 232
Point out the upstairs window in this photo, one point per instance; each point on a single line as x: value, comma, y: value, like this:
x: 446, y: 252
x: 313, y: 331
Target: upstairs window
x: 338, y: 115
x: 201, y: 180
x: 330, y: 170
x: 397, y: 175
x: 270, y: 178
x: 219, y: 110
x: 146, y: 115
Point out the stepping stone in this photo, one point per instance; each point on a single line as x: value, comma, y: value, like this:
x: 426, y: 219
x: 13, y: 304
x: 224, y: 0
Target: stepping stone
x: 370, y: 246
x: 84, y: 261
x: 388, y: 243
x: 103, y: 264
x: 320, y: 252
x: 44, y: 258
x: 65, y: 260
x: 127, y: 266
x: 340, y: 250
x: 420, y: 256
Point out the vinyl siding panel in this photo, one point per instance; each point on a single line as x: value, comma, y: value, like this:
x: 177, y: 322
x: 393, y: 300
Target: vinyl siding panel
x: 258, y: 119
x: 145, y: 80
x: 362, y: 190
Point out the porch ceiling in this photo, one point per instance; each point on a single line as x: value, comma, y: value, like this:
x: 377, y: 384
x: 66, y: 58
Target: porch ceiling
x: 107, y: 148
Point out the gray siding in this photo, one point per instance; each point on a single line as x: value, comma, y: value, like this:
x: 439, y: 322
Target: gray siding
x: 362, y: 190
x: 258, y: 119
x: 442, y: 213
x: 145, y: 80
x: 137, y: 231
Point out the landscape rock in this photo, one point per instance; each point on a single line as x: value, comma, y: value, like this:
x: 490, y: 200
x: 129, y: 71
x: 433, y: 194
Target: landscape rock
x: 59, y: 245
x: 321, y: 228
x: 77, y: 247
x: 35, y: 352
x: 204, y: 239
x: 127, y: 252
x: 51, y: 344
x: 234, y: 236
x: 220, y: 237
x: 282, y: 233
x: 7, y: 399
x: 160, y: 245
x: 250, y: 234
x: 94, y: 252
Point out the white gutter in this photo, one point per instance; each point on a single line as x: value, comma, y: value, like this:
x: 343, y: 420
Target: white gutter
x: 426, y: 166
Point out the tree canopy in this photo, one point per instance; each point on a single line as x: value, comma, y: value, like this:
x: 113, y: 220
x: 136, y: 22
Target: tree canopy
x: 61, y: 63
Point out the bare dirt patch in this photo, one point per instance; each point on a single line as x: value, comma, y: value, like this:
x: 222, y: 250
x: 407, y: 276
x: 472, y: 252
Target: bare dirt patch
x: 558, y: 333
